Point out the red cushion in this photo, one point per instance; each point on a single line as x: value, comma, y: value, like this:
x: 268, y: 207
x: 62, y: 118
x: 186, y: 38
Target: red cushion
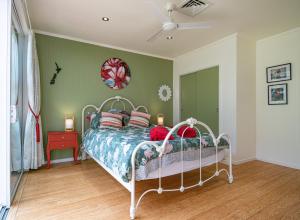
x: 189, y: 132
x: 159, y: 133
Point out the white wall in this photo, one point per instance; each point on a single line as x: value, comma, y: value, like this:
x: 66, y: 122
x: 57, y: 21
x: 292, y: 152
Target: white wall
x: 235, y: 56
x: 224, y: 54
x: 245, y: 100
x: 278, y: 127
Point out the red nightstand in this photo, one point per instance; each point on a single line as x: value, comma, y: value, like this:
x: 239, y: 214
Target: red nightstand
x: 59, y: 140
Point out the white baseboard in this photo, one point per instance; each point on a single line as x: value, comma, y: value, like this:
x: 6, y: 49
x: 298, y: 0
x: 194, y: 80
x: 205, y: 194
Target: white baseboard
x: 63, y: 160
x: 285, y: 164
x: 69, y: 159
x: 237, y: 162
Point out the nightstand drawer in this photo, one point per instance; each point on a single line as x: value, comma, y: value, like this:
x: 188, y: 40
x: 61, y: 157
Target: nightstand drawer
x: 61, y: 144
x: 61, y: 137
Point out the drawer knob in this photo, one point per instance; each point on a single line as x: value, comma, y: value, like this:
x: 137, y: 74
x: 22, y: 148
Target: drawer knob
x: 63, y: 137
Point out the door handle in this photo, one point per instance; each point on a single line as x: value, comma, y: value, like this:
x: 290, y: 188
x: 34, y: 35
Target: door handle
x: 13, y: 114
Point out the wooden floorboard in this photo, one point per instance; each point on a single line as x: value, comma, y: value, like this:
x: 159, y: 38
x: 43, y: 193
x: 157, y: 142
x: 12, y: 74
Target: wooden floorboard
x: 86, y: 191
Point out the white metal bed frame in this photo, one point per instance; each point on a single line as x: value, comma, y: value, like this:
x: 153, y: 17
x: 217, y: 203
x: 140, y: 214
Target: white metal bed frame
x: 191, y: 122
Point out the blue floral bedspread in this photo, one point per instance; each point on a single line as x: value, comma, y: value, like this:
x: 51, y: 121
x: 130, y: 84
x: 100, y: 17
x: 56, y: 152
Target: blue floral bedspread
x: 115, y: 147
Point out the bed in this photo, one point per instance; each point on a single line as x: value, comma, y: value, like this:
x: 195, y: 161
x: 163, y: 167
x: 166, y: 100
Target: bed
x: 129, y: 155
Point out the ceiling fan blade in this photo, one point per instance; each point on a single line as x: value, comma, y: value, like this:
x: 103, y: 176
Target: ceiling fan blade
x: 156, y: 35
x: 185, y: 26
x: 160, y: 12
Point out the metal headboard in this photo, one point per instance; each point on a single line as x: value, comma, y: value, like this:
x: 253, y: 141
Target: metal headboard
x: 116, y: 99
x: 113, y: 100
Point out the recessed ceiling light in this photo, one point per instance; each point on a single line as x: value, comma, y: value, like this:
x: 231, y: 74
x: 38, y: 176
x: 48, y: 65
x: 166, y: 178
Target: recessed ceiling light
x: 169, y: 37
x: 105, y: 19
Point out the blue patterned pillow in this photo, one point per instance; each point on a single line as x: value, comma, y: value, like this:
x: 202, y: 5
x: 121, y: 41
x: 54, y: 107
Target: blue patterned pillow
x: 95, y: 120
x: 125, y: 115
x: 114, y: 110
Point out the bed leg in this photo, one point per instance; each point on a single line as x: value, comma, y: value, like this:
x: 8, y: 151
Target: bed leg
x: 83, y: 155
x: 132, y: 203
x: 132, y: 213
x: 230, y: 177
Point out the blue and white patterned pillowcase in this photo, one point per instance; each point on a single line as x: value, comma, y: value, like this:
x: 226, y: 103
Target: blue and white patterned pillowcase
x: 125, y: 115
x: 95, y: 120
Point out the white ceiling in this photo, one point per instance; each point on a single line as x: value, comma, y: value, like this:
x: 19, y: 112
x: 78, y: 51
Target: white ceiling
x: 133, y: 22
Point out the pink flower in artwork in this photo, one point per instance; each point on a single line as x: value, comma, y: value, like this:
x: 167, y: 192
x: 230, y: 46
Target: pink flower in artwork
x: 115, y: 73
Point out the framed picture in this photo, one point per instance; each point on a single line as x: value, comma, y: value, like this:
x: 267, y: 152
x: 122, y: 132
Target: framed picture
x: 279, y: 73
x: 278, y: 94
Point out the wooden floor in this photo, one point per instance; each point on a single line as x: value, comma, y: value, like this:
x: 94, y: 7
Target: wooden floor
x: 85, y: 191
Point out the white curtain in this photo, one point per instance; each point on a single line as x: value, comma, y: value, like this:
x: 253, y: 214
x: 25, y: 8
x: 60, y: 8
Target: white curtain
x: 15, y: 133
x: 33, y: 148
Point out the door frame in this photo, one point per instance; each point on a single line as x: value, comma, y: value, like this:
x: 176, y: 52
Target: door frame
x: 19, y: 26
x: 10, y: 11
x: 219, y: 85
x: 5, y: 51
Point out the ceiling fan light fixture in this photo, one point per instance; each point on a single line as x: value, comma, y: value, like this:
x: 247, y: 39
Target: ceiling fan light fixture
x: 169, y: 25
x: 105, y: 19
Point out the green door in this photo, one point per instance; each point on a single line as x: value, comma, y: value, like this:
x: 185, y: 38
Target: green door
x: 188, y: 96
x: 200, y: 97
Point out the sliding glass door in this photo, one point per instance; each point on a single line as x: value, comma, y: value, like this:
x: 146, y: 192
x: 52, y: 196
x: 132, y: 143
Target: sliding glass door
x: 16, y: 103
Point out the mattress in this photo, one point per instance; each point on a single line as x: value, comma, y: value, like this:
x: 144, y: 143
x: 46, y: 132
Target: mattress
x: 114, y: 149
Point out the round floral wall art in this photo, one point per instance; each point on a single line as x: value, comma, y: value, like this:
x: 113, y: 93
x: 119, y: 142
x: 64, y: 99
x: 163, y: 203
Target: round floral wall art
x: 115, y: 73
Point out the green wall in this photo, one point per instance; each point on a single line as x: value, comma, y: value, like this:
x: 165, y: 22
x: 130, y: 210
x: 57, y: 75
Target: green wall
x: 79, y: 83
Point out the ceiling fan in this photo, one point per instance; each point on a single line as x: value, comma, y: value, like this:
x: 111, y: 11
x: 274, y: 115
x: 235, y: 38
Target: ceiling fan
x: 168, y: 24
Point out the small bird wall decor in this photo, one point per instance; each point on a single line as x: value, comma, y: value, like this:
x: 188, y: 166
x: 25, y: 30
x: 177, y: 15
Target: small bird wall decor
x: 58, y: 69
